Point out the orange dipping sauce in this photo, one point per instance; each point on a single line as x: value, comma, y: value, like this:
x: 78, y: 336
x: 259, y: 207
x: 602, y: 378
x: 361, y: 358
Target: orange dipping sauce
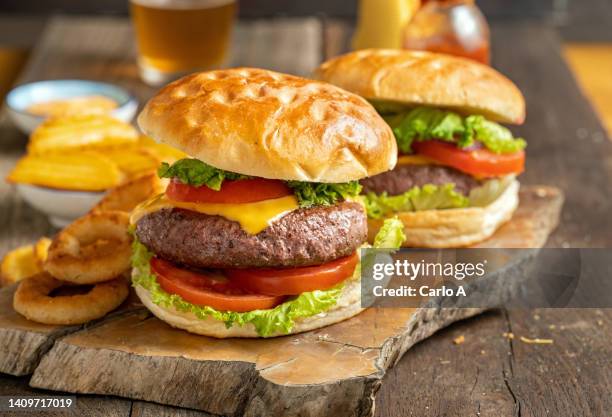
x: 92, y: 104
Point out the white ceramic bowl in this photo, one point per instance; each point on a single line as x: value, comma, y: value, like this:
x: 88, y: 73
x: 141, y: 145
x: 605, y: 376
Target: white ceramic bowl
x: 20, y: 98
x: 62, y: 206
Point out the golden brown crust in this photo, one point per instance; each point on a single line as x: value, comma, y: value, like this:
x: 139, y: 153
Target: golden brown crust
x: 271, y: 125
x: 425, y: 78
x: 453, y: 228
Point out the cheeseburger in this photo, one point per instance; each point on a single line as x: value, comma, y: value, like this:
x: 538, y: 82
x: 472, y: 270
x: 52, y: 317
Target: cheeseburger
x: 259, y: 230
x: 454, y: 183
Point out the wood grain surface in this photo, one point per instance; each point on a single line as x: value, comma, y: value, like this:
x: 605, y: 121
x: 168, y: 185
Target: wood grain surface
x: 487, y: 374
x: 567, y: 142
x: 22, y: 342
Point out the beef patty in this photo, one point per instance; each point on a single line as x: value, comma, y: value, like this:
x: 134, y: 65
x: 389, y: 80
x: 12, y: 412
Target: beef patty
x: 404, y: 177
x: 303, y: 237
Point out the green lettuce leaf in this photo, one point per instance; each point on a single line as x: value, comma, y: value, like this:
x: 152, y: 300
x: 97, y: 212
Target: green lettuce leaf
x: 428, y: 197
x: 425, y: 123
x: 323, y: 194
x: 434, y: 197
x: 197, y: 173
x: 388, y: 239
x: 489, y: 191
x: 391, y: 234
x: 278, y: 320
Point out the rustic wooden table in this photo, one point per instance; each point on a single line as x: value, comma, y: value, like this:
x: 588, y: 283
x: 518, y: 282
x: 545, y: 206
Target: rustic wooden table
x: 488, y: 374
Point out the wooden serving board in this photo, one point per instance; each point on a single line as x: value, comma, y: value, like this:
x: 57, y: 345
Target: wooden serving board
x: 24, y: 342
x: 336, y: 370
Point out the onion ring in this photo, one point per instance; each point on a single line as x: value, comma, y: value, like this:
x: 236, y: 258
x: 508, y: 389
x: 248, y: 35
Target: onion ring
x: 128, y: 195
x: 32, y: 301
x: 95, y: 248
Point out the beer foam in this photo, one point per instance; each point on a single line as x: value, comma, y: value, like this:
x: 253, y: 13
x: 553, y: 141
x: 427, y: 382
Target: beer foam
x: 183, y: 4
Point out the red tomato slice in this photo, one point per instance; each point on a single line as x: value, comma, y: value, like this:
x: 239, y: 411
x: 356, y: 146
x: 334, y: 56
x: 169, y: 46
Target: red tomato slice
x: 210, y: 290
x: 239, y: 191
x: 479, y: 162
x: 293, y: 281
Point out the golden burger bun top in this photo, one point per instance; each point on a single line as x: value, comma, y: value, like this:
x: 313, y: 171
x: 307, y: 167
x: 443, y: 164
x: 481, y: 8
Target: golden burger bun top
x: 427, y: 79
x: 271, y: 125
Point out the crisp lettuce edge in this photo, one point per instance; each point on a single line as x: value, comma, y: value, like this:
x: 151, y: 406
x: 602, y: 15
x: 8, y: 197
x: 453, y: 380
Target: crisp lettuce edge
x: 425, y: 123
x: 197, y: 173
x: 270, y: 322
x: 434, y: 197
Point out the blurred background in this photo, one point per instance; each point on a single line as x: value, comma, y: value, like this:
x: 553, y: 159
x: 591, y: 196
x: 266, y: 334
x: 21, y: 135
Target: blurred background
x: 578, y: 10
x: 583, y: 27
x: 578, y: 19
x: 584, y: 19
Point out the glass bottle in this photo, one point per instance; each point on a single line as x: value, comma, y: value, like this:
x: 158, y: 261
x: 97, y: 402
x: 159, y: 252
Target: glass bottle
x: 455, y: 27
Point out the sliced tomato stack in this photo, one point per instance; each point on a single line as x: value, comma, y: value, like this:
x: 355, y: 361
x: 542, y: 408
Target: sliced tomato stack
x: 477, y: 162
x: 249, y: 289
x: 244, y: 290
x: 231, y: 192
x: 294, y: 281
x: 209, y: 289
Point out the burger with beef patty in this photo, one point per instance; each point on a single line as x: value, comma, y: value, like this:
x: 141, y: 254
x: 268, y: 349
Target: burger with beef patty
x: 258, y: 232
x: 454, y: 183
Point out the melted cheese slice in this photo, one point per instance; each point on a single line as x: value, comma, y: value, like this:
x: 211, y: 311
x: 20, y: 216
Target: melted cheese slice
x: 415, y: 160
x: 253, y: 217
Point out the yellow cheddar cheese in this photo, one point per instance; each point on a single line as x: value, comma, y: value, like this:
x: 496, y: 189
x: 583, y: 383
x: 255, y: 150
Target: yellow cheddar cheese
x: 415, y: 160
x: 253, y: 217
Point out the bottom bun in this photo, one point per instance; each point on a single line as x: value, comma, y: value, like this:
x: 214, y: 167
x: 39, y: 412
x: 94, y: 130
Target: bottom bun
x: 348, y: 305
x: 453, y: 228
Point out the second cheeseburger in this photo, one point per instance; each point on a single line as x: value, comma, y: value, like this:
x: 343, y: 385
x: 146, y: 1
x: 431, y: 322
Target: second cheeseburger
x: 454, y: 183
x: 257, y: 234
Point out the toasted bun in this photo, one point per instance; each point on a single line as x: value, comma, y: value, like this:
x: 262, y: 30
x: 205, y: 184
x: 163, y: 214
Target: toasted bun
x: 425, y: 78
x: 348, y: 305
x: 266, y: 124
x: 454, y: 227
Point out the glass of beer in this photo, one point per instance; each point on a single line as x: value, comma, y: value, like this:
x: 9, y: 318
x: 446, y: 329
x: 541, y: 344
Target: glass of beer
x: 176, y: 37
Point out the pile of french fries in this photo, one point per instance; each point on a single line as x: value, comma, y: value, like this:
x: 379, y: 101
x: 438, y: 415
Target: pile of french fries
x: 88, y: 153
x: 85, y: 153
x: 23, y: 262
